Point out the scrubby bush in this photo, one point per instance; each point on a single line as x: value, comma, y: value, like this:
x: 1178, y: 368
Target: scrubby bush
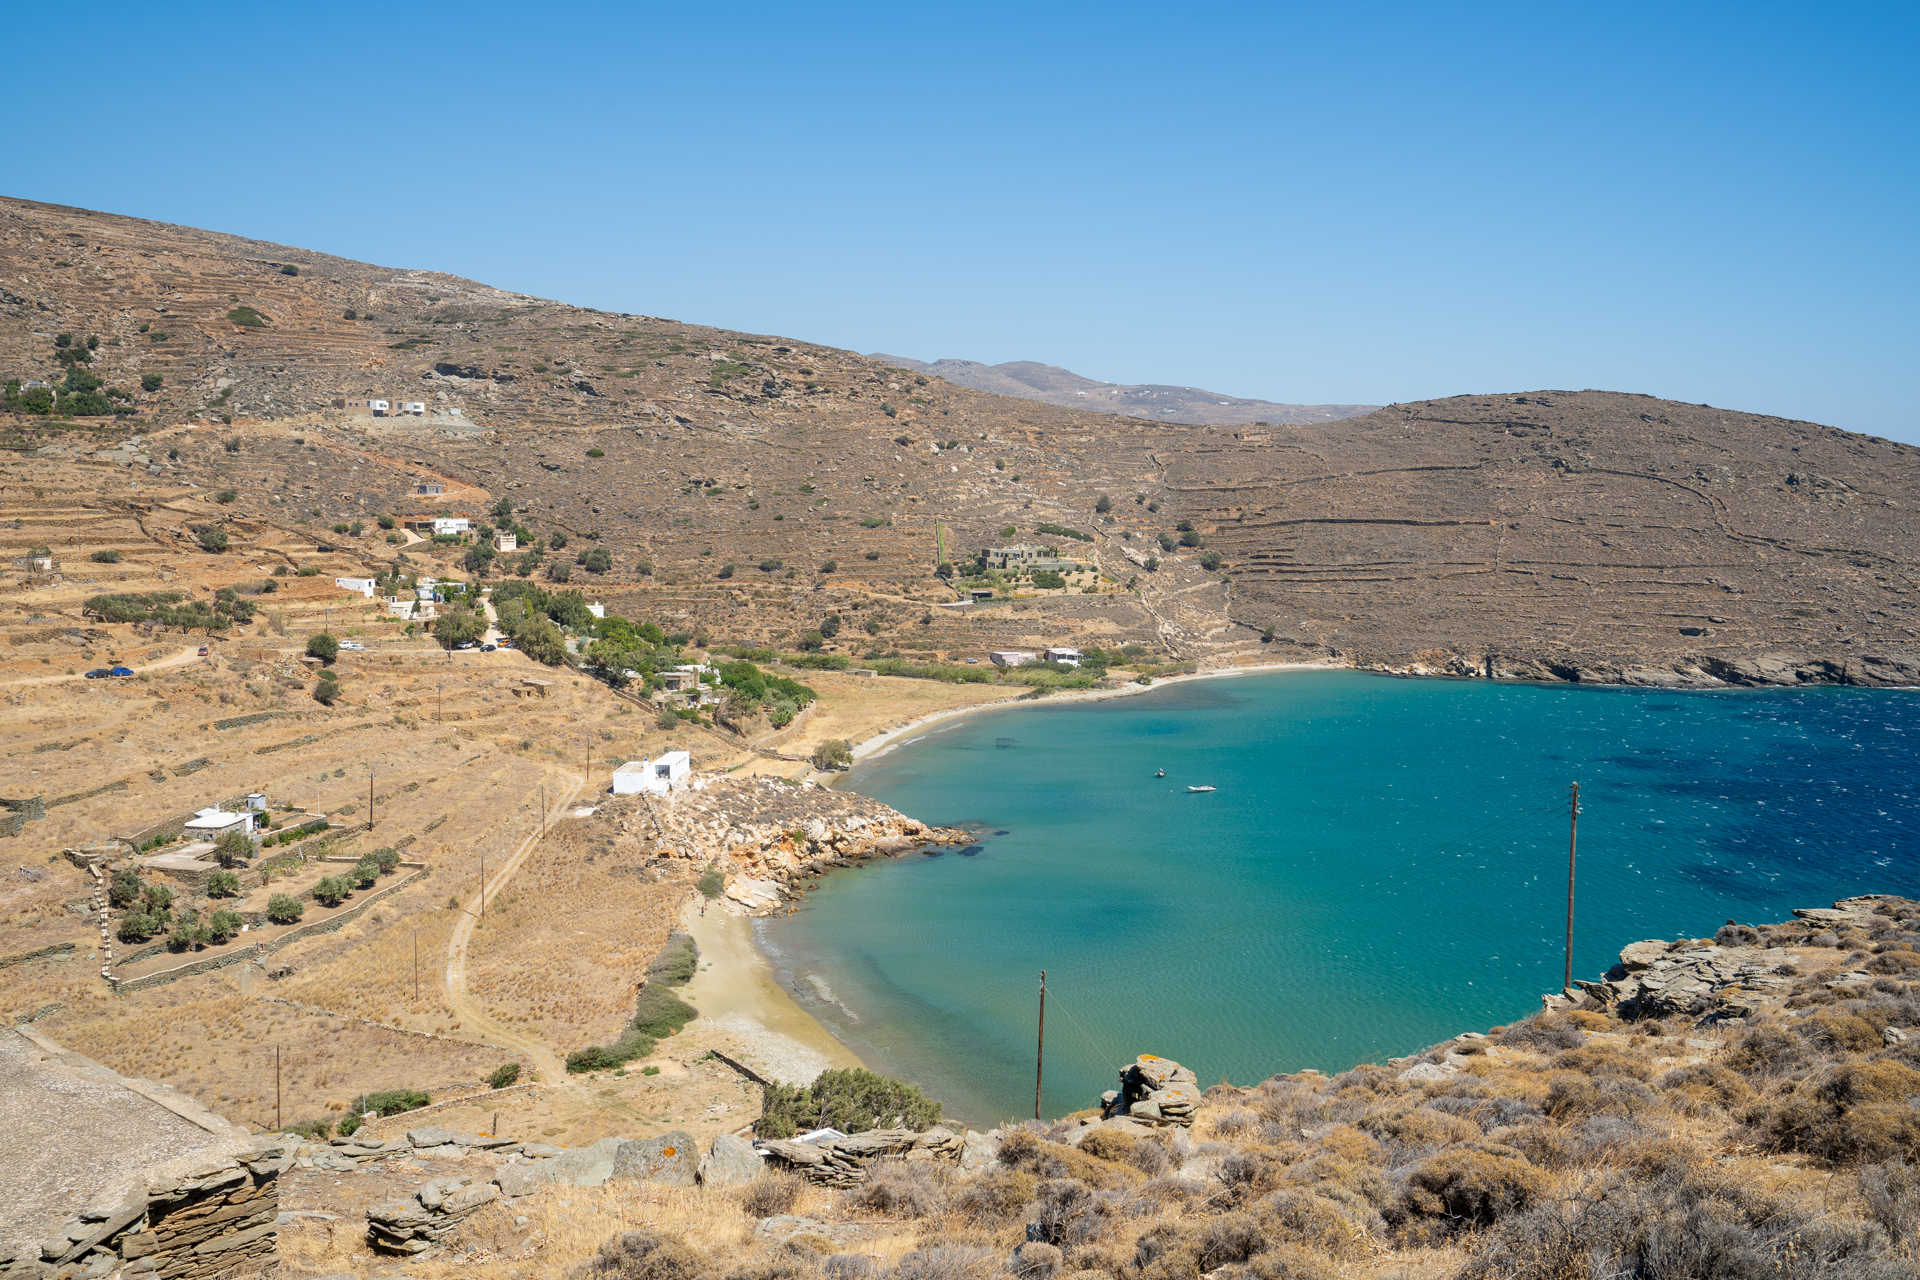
x: 771, y: 1194
x: 1067, y: 1212
x: 713, y: 882
x: 223, y: 884
x: 1466, y: 1187
x: 284, y: 908
x: 388, y: 1102
x: 1853, y: 1113
x: 123, y: 890
x: 852, y: 1100
x: 995, y: 1197
x: 326, y: 690
x: 503, y: 1075
x: 642, y: 1255
x: 677, y: 961
x: 834, y: 753
x: 223, y: 926
x: 899, y: 1190
x: 107, y: 556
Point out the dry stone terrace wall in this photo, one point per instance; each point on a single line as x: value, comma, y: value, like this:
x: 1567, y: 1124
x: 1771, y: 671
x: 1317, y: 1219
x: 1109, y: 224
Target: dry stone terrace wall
x: 108, y: 1175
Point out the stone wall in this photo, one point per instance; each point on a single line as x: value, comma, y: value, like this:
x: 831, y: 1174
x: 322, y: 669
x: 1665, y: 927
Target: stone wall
x: 214, y: 1218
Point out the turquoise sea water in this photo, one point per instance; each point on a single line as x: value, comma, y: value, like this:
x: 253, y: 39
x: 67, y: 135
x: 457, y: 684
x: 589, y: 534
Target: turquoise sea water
x: 1383, y: 865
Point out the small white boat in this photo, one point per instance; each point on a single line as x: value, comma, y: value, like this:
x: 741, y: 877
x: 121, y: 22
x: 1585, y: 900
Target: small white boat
x: 1197, y: 790
x: 1159, y: 773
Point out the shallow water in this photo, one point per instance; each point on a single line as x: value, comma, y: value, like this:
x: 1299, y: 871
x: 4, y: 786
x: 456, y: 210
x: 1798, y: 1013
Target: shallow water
x: 1382, y: 866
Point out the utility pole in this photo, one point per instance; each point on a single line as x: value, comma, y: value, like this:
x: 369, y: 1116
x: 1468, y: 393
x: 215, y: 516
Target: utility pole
x: 1040, y: 1046
x: 416, y: 966
x: 276, y: 1088
x: 1573, y: 843
x: 369, y: 797
x: 483, y: 886
x: 543, y: 811
x: 440, y: 702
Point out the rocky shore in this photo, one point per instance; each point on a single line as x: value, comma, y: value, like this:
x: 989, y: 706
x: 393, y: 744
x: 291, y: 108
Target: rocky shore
x: 768, y: 836
x: 1700, y: 671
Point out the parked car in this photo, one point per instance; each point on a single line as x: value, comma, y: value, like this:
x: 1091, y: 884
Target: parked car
x: 468, y: 644
x: 98, y: 673
x: 203, y: 651
x: 120, y: 671
x: 506, y: 644
x: 351, y: 646
x: 488, y: 648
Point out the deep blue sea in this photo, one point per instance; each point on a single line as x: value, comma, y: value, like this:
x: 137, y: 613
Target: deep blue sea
x: 1383, y: 865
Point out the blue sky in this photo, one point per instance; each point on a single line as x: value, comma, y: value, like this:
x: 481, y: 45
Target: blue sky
x: 1712, y: 203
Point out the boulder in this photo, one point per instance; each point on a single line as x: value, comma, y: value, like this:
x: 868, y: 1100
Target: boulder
x: 667, y: 1159
x: 1154, y: 1089
x: 524, y: 1179
x: 588, y: 1166
x: 730, y: 1161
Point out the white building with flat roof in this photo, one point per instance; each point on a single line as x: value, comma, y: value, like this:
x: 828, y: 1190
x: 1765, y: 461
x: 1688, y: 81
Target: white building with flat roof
x: 1011, y: 657
x: 669, y: 771
x: 363, y: 585
x: 211, y: 824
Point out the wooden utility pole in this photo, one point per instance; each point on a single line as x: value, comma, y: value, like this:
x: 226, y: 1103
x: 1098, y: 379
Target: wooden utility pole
x: 1040, y: 1046
x: 1573, y: 843
x: 440, y: 702
x: 483, y: 886
x: 416, y: 966
x: 276, y: 1089
x: 543, y: 811
x: 369, y: 797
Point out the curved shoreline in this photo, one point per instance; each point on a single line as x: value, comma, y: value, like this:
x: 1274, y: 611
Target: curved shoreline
x: 890, y: 739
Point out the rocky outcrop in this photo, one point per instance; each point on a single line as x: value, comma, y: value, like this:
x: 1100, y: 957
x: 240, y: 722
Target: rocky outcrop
x: 769, y: 835
x: 1155, y: 1090
x: 1724, y: 979
x: 846, y: 1161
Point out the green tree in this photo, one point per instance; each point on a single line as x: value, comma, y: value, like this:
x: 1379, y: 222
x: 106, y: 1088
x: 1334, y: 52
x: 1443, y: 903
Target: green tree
x: 364, y: 874
x: 210, y: 537
x: 323, y: 646
x: 123, y: 890
x: 186, y: 932
x: 834, y: 753
x: 502, y: 510
x: 284, y: 908
x: 331, y: 891
x: 222, y: 926
x: 326, y: 690
x: 1103, y: 504
x: 151, y: 382
x: 596, y: 560
x: 223, y: 884
x: 232, y: 849
x: 459, y: 625
x: 830, y: 625
x: 1048, y: 580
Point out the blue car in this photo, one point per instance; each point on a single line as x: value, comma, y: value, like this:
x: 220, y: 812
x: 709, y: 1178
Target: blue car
x: 120, y: 671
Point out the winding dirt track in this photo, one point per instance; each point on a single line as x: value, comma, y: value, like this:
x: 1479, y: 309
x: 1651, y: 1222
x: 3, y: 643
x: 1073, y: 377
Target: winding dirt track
x: 180, y: 659
x: 546, y: 1063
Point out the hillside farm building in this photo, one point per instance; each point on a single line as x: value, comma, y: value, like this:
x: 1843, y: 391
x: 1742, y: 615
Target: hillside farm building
x: 670, y: 771
x: 505, y: 541
x: 211, y: 824
x: 380, y: 408
x: 1011, y: 657
x: 362, y: 585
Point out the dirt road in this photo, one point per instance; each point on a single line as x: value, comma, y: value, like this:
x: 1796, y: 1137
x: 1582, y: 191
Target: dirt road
x: 180, y: 659
x: 475, y: 1021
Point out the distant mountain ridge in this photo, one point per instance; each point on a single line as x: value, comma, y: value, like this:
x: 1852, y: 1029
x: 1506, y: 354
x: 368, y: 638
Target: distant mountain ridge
x: 1031, y: 380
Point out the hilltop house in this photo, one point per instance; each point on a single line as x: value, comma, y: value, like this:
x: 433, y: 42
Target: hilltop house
x: 1011, y: 657
x: 669, y: 771
x: 428, y: 488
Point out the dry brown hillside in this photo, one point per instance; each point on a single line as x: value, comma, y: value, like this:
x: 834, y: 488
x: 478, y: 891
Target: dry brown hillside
x: 1579, y: 535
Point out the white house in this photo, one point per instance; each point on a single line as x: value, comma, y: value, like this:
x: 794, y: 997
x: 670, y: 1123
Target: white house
x: 1010, y: 657
x: 1065, y: 655
x: 363, y: 585
x: 418, y: 408
x: 211, y: 824
x: 597, y: 609
x: 669, y: 771
x: 504, y: 540
x: 443, y: 525
x: 379, y: 407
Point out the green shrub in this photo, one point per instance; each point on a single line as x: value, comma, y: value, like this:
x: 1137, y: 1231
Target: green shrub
x: 233, y: 849
x: 1465, y: 1187
x: 852, y: 1100
x: 138, y: 926
x: 712, y: 882
x: 223, y: 884
x: 386, y: 859
x: 246, y: 318
x: 123, y: 890
x: 834, y: 753
x: 284, y: 908
x: 364, y: 874
x: 108, y: 556
x: 503, y: 1075
x: 289, y: 270
x: 1061, y: 531
x: 211, y: 537
x: 1048, y: 580
x: 388, y: 1102
x: 596, y: 453
x: 151, y: 382
x: 677, y: 962
x: 326, y: 690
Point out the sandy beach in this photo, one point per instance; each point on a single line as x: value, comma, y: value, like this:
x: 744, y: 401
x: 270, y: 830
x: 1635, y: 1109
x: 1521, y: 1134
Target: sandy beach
x: 744, y: 1011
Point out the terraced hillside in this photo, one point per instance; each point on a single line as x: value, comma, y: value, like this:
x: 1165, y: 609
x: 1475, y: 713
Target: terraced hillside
x: 748, y: 487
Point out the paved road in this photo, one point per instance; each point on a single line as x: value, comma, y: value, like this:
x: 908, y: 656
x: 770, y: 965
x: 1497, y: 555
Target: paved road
x: 547, y: 1064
